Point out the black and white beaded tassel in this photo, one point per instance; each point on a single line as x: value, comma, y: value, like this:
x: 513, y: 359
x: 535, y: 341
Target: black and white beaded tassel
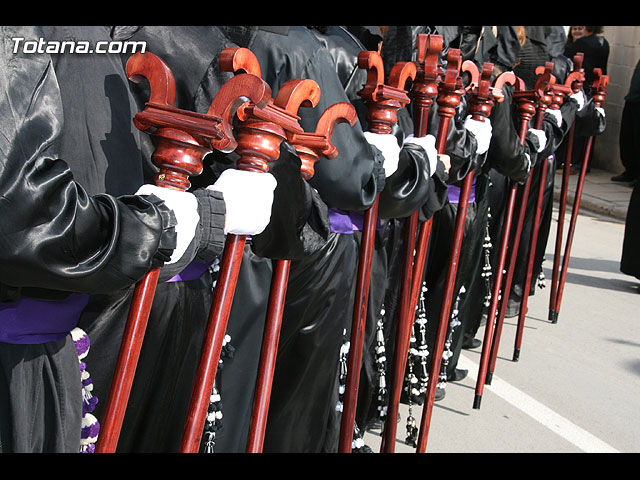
x: 344, y: 358
x: 381, y: 368
x: 423, y: 350
x: 357, y: 444
x: 542, y: 281
x: 416, y: 385
x: 410, y: 389
x: 447, y: 353
x: 213, y: 421
x: 412, y: 429
x: 486, y: 269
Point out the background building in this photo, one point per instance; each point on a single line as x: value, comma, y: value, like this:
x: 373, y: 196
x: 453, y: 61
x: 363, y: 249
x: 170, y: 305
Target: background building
x: 624, y: 43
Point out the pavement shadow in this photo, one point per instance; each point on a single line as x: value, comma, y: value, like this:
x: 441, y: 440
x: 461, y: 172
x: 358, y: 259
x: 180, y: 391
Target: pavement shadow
x: 595, y: 281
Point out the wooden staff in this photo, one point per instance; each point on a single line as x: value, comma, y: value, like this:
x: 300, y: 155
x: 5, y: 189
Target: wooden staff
x: 182, y: 139
x: 383, y: 102
x: 526, y: 110
x: 576, y: 85
x: 424, y: 91
x: 599, y: 92
x: 260, y: 130
x: 558, y: 93
x: 310, y: 146
x: 542, y: 101
x: 482, y: 101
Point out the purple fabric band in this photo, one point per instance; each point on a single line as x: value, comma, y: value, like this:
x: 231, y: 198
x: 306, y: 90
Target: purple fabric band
x: 453, y: 193
x: 34, y: 321
x: 347, y: 222
x: 192, y: 271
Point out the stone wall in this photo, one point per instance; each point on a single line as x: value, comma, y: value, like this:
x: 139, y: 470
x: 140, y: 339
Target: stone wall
x: 624, y: 43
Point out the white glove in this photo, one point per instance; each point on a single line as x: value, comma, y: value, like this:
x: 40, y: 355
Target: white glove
x: 428, y: 144
x: 542, y: 138
x: 600, y: 110
x: 480, y: 130
x: 556, y: 115
x: 528, y: 162
x: 185, y: 207
x: 579, y: 97
x: 388, y: 145
x: 248, y: 197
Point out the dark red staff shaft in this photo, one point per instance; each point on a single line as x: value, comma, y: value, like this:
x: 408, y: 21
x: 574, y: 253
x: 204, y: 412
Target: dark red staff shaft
x: 572, y: 225
x: 557, y: 257
x: 424, y: 91
x: 383, y: 103
x: 495, y: 294
x: 131, y: 345
x: 178, y: 155
x: 268, y: 352
x: 599, y: 93
x: 506, y: 288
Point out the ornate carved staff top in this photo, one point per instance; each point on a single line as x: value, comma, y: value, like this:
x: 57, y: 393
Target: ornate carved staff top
x: 599, y: 87
x: 576, y: 78
x: 384, y: 100
x: 311, y: 145
x: 450, y: 89
x: 261, y: 127
x: 429, y: 72
x: 183, y: 137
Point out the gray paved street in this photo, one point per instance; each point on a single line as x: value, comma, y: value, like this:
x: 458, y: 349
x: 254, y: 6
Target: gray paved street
x: 576, y: 385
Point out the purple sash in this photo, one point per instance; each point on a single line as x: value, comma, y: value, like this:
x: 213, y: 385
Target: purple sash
x: 34, y: 321
x: 453, y: 193
x: 343, y: 221
x: 192, y: 271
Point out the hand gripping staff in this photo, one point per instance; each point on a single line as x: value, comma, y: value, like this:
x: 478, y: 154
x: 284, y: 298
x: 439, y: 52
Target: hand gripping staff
x: 309, y: 146
x: 526, y: 100
x: 558, y: 92
x: 574, y: 80
x: 482, y: 100
x: 260, y: 129
x: 182, y: 139
x: 526, y: 111
x: 599, y: 92
x: 424, y: 91
x: 383, y: 102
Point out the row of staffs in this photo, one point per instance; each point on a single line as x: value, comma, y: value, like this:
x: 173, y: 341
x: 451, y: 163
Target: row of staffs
x: 244, y: 118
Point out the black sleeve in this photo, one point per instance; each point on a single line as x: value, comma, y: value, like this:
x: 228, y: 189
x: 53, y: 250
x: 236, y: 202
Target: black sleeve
x: 590, y: 122
x: 461, y: 144
x: 409, y: 186
x: 506, y: 153
x: 299, y: 222
x: 53, y: 234
x: 555, y: 134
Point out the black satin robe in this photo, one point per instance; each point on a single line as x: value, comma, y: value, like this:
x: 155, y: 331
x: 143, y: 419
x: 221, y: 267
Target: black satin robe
x: 62, y: 231
x: 157, y: 410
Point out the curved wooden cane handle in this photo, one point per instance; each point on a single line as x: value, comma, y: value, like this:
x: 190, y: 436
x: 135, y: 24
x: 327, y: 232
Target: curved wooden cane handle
x: 384, y: 101
x: 599, y: 87
x: 182, y: 137
x: 480, y: 89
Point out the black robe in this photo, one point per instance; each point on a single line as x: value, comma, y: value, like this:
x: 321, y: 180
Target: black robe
x: 62, y: 187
